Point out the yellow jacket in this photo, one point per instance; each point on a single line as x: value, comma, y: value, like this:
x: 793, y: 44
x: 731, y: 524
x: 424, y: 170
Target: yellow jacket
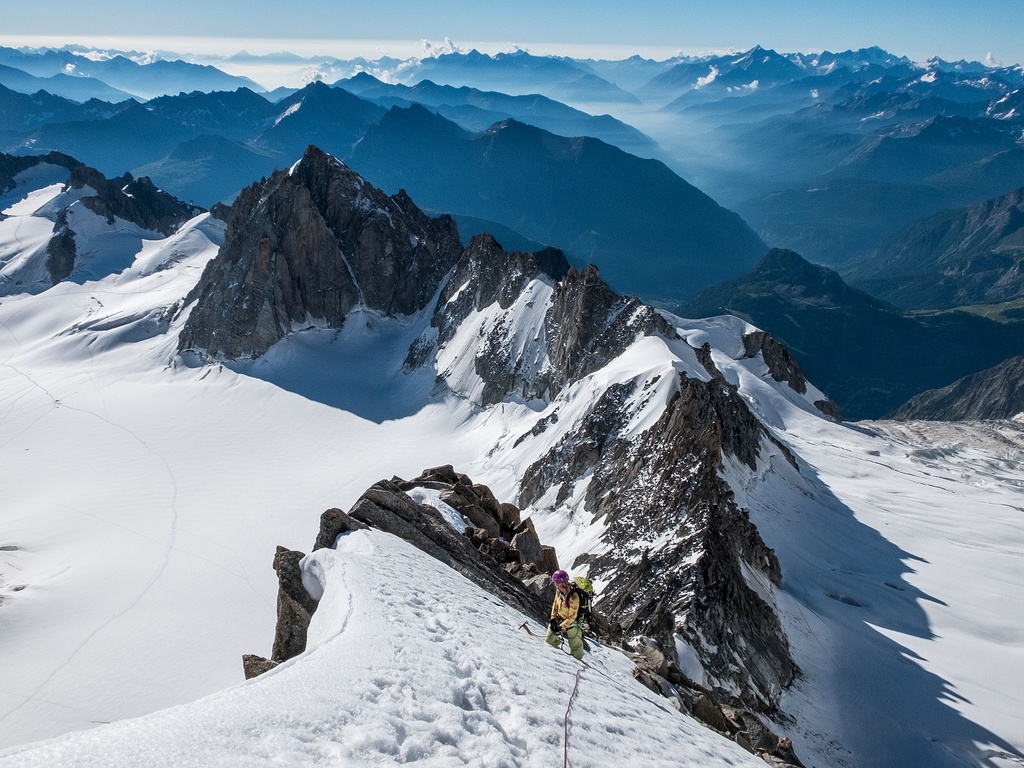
x: 565, y: 607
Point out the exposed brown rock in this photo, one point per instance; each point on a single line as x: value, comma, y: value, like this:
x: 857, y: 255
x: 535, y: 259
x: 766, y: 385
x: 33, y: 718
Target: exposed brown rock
x: 333, y: 523
x: 549, y: 559
x: 480, y: 518
x: 295, y: 606
x: 510, y: 517
x: 783, y: 367
x: 528, y: 545
x: 313, y: 242
x: 253, y: 665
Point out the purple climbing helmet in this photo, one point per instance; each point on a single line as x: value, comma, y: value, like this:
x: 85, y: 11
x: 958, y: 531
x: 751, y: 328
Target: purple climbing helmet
x: 560, y: 577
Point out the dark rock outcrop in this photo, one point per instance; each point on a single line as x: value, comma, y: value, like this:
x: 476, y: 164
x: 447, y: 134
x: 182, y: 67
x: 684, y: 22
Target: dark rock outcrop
x: 579, y: 451
x: 254, y: 666
x: 12, y: 165
x: 488, y: 561
x: 308, y: 245
x: 61, y: 250
x: 295, y: 606
x: 333, y: 523
x: 783, y: 367
x: 480, y: 557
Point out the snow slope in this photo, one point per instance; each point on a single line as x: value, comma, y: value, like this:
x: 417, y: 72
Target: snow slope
x: 902, y: 549
x: 410, y: 663
x: 27, y: 223
x: 143, y: 499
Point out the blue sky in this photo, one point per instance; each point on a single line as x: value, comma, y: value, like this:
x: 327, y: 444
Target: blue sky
x: 914, y: 28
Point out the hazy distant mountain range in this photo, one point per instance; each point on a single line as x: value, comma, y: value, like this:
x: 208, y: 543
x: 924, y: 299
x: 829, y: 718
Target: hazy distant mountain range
x: 826, y: 153
x: 900, y: 174
x: 970, y: 255
x: 142, y: 80
x: 594, y: 200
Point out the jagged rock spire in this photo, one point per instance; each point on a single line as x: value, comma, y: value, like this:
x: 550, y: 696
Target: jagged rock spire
x: 307, y: 245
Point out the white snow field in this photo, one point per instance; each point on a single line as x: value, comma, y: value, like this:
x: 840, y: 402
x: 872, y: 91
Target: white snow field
x: 902, y: 548
x: 143, y: 499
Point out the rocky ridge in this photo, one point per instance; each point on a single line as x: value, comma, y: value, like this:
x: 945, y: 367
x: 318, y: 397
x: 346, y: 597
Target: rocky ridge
x: 12, y: 165
x: 134, y: 200
x: 137, y: 200
x: 512, y: 565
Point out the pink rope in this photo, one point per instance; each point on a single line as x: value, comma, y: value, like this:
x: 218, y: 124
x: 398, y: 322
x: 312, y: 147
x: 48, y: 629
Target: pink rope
x: 565, y: 751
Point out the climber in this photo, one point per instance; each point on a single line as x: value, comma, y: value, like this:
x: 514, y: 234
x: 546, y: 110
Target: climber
x: 565, y: 618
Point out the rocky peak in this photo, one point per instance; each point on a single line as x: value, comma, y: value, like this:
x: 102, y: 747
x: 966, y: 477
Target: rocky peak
x: 583, y: 326
x: 306, y: 246
x: 487, y: 274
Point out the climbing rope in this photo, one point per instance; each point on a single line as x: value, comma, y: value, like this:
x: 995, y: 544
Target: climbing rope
x: 565, y: 742
x: 572, y: 697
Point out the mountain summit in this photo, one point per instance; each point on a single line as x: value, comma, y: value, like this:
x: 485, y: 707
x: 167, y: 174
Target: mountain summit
x: 307, y: 246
